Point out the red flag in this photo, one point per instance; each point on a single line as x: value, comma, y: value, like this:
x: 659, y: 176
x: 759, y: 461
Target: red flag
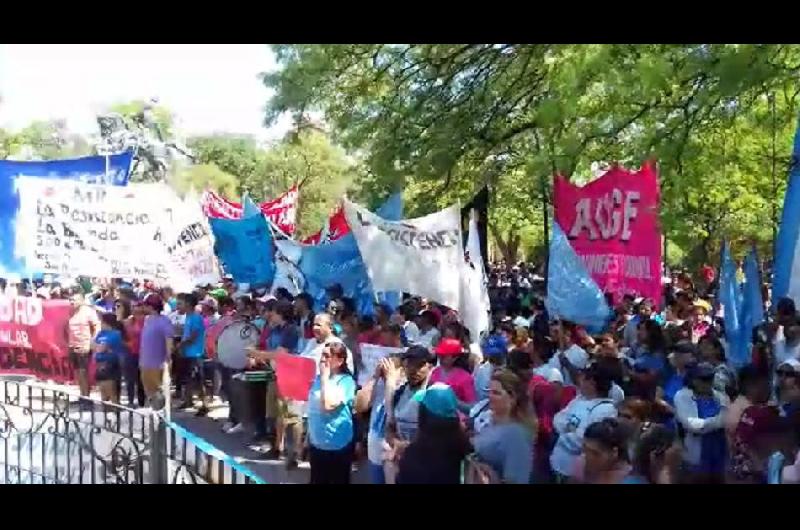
x: 295, y: 375
x: 335, y: 228
x: 281, y: 211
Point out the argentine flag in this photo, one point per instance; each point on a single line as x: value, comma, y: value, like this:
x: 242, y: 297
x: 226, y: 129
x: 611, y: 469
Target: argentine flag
x: 786, y: 280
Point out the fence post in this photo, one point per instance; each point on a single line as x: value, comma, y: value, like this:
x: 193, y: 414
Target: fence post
x: 158, y: 450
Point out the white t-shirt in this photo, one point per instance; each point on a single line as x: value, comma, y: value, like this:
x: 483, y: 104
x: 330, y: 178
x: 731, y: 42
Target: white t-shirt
x: 783, y: 352
x: 313, y: 350
x: 412, y: 332
x: 576, y: 355
x: 427, y: 338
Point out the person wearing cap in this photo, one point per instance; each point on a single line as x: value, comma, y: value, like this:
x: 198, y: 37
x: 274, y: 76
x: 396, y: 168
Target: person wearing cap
x: 506, y: 444
x: 760, y: 433
x: 156, y: 346
x: 440, y: 446
x: 460, y: 380
x: 569, y: 358
x: 788, y: 386
x: 402, y: 411
x: 494, y: 350
x: 700, y: 410
x: 428, y: 335
x: 590, y: 406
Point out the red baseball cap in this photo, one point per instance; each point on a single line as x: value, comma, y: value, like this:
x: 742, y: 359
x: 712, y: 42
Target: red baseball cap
x: 758, y: 421
x: 449, y: 347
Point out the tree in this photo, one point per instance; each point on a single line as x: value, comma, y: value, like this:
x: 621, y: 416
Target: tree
x: 206, y: 176
x: 441, y: 114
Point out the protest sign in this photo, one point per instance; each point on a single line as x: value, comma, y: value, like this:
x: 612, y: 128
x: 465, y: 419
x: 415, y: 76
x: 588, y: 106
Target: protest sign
x: 612, y: 223
x: 111, y: 170
x: 76, y: 229
x: 421, y: 256
x: 244, y: 246
x: 190, y: 247
x: 294, y: 375
x: 33, y: 337
x: 371, y: 355
x: 282, y: 211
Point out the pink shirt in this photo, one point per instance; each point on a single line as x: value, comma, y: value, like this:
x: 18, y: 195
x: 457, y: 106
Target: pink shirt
x: 459, y: 380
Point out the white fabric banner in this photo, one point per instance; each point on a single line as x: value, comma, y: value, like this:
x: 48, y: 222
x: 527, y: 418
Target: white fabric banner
x: 371, y: 355
x: 421, y: 256
x: 72, y: 228
x: 476, y: 308
x: 190, y: 247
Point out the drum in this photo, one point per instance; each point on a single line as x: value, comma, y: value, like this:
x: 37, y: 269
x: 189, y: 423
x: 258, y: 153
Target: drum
x: 233, y: 342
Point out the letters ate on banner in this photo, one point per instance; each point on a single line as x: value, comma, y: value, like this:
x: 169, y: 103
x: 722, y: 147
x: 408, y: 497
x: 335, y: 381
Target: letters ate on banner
x: 612, y: 223
x: 81, y: 229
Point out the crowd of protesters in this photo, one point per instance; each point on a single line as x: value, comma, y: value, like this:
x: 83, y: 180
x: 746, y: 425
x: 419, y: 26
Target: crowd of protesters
x: 653, y: 399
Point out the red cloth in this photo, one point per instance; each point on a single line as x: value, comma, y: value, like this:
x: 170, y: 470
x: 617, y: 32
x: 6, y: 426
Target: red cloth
x: 262, y: 339
x: 295, y: 375
x: 133, y: 332
x: 335, y: 228
x: 548, y: 399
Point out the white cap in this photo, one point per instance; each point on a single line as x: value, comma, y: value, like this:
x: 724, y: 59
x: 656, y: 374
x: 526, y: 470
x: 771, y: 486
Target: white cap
x: 554, y: 376
x: 521, y: 322
x: 577, y: 357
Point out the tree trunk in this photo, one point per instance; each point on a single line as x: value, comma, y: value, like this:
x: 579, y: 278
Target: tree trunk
x: 508, y: 245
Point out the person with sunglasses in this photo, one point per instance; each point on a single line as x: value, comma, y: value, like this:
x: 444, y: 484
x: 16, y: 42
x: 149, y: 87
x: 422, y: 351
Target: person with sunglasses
x: 330, y: 418
x: 700, y: 412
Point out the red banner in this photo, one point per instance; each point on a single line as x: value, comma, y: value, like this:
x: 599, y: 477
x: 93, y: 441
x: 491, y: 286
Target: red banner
x: 335, y: 228
x: 33, y: 338
x: 612, y: 223
x: 281, y: 211
x: 295, y: 375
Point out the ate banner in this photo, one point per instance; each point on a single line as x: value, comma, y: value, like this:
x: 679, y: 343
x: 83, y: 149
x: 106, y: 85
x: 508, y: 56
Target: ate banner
x: 33, y: 338
x: 282, y: 212
x: 612, y: 223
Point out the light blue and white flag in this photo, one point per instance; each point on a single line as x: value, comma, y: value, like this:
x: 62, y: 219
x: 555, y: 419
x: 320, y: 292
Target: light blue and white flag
x: 572, y: 294
x: 730, y: 295
x: 786, y: 279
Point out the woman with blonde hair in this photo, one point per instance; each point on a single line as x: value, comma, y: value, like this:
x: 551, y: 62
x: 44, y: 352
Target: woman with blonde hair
x: 504, y: 448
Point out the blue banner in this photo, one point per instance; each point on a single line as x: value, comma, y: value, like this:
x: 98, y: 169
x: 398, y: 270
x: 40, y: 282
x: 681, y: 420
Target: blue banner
x: 337, y: 262
x: 391, y: 210
x: 572, y: 294
x: 751, y: 311
x: 114, y: 169
x: 249, y: 208
x: 244, y: 246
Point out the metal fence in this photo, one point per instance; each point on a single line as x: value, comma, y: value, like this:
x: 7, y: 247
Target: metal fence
x: 48, y: 436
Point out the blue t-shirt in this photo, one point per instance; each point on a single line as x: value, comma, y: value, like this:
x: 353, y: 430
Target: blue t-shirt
x: 651, y: 362
x: 332, y: 431
x: 194, y: 322
x: 284, y: 336
x: 712, y: 444
x: 115, y: 346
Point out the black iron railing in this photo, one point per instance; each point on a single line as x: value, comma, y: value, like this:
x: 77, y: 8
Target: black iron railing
x: 49, y: 436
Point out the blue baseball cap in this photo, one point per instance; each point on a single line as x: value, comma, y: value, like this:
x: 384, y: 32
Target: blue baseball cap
x: 495, y: 346
x: 439, y: 399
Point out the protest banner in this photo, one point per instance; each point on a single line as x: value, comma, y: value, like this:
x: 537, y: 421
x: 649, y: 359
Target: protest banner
x: 73, y: 229
x: 371, y: 355
x: 294, y: 375
x: 421, y: 256
x: 190, y: 247
x: 244, y: 246
x: 612, y: 223
x: 110, y: 170
x: 33, y: 338
x: 282, y: 211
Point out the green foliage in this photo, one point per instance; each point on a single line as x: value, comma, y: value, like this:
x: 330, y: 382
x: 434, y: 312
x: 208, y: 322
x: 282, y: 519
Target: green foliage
x: 130, y: 109
x: 445, y: 118
x: 206, y: 176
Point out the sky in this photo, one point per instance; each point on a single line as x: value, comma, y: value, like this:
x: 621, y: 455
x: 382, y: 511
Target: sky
x: 209, y: 87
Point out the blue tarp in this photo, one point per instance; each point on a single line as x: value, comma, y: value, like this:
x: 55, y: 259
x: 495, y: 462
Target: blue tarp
x: 244, y: 246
